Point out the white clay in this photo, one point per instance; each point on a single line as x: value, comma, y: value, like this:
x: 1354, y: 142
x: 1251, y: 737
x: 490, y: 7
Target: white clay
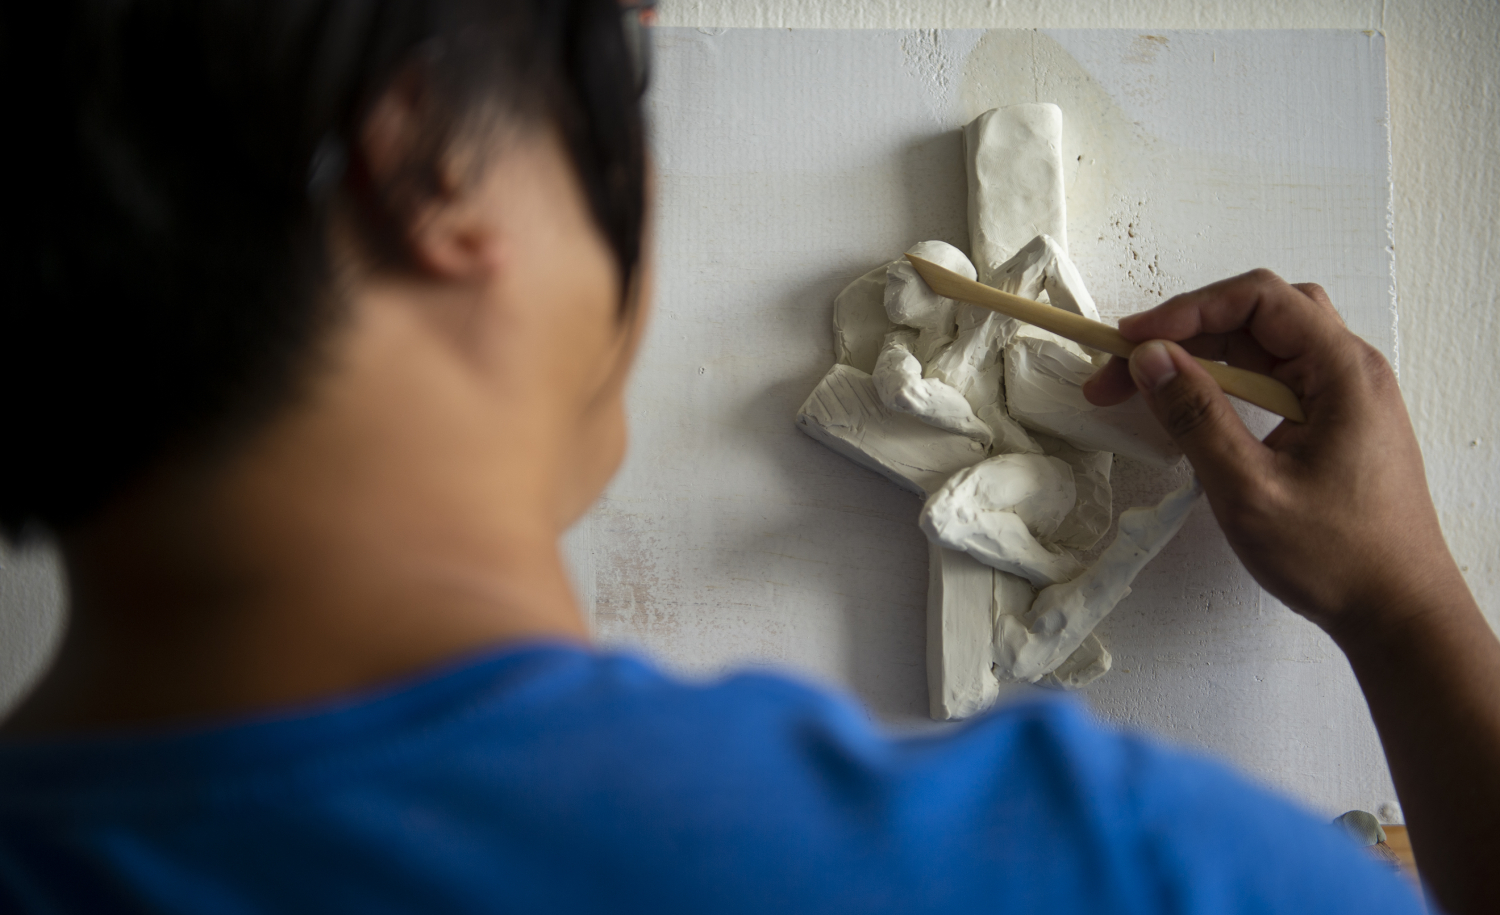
x: 1085, y: 665
x: 899, y: 382
x: 1042, y: 271
x: 844, y: 412
x: 1043, y: 264
x: 1014, y: 161
x: 971, y: 363
x: 1010, y: 437
x: 999, y: 510
x: 1044, y: 377
x: 1064, y: 284
x: 950, y: 379
x: 1088, y: 521
x: 960, y: 629
x: 965, y: 601
x: 1013, y: 597
x: 859, y: 321
x: 1029, y: 647
x: 910, y: 302
x: 1025, y: 273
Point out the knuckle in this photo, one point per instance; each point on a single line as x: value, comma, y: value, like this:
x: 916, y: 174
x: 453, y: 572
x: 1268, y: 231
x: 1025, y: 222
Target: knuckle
x: 1265, y: 276
x: 1319, y: 297
x: 1375, y: 367
x: 1313, y: 291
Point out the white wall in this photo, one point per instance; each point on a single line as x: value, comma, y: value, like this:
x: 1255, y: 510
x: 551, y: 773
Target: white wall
x: 1444, y: 72
x: 731, y: 539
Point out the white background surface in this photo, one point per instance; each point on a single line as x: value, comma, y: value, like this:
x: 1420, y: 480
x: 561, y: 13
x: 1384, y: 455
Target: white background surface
x: 792, y: 162
x: 1444, y: 67
x: 1444, y: 76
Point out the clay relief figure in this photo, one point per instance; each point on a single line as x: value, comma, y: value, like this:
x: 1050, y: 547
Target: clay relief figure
x: 985, y: 417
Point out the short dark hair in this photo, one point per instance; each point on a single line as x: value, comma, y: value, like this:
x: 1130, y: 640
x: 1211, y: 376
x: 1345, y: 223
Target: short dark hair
x: 174, y: 163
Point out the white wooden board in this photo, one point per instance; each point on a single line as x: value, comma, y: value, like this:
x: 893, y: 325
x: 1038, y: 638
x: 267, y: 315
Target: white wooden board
x: 793, y: 161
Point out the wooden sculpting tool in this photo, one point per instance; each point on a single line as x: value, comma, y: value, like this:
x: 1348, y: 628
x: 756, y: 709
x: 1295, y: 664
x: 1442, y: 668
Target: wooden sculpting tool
x: 1261, y: 390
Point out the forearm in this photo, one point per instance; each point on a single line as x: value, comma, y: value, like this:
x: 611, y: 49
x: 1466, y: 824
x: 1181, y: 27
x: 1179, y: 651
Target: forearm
x: 1432, y: 681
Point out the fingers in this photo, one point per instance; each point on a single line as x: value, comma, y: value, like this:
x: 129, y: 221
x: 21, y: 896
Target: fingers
x: 1110, y: 385
x: 1196, y: 413
x: 1281, y: 320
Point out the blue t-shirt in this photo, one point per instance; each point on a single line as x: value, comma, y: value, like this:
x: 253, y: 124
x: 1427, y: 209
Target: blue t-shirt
x: 549, y: 779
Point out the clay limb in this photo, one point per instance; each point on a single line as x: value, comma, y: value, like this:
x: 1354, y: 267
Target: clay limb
x: 899, y: 382
x: 844, y: 412
x: 1042, y: 264
x: 1044, y: 377
x: 1044, y: 373
x: 859, y: 321
x: 1088, y: 663
x: 1012, y: 598
x: 1014, y: 161
x: 1029, y: 647
x: 971, y: 363
x: 1025, y: 273
x: 910, y: 302
x: 1089, y: 520
x: 1041, y: 269
x: 1001, y: 510
x: 965, y: 601
x: 1010, y: 437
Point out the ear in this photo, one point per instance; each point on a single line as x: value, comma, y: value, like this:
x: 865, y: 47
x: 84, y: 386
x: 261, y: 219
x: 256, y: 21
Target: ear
x: 420, y: 190
x: 451, y: 239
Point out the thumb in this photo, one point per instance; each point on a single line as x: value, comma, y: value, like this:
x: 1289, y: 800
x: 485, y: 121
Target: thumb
x: 1195, y: 411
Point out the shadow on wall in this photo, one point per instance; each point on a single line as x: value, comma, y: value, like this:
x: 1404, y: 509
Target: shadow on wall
x: 859, y: 530
x: 32, y: 618
x: 936, y: 190
x: 855, y: 527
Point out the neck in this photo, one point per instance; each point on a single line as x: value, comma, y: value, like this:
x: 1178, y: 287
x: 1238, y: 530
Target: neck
x: 396, y: 518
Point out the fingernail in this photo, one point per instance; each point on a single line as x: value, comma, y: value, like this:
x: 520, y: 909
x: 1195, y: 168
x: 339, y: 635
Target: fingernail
x: 1152, y: 366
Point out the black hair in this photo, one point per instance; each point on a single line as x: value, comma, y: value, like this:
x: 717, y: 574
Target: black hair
x: 173, y: 166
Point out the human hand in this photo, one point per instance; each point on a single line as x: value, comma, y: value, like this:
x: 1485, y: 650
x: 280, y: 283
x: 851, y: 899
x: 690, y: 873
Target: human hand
x: 1333, y: 515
